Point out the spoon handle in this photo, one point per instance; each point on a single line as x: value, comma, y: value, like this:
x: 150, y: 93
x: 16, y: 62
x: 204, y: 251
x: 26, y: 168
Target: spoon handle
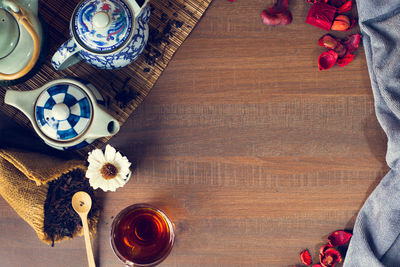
x: 89, y: 251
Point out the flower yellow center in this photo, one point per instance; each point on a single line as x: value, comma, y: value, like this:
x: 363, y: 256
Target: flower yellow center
x: 109, y: 171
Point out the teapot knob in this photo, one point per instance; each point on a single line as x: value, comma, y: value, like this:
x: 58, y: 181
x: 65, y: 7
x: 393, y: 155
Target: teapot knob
x: 101, y: 20
x: 60, y: 112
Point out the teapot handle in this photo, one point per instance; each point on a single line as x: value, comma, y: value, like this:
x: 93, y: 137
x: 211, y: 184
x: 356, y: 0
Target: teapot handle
x: 23, y: 19
x: 66, y: 55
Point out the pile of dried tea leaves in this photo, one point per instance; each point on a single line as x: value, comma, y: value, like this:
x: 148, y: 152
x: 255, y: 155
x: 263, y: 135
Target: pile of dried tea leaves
x: 60, y: 219
x: 160, y: 38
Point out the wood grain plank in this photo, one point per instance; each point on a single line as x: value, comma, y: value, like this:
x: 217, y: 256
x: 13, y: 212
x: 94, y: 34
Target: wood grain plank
x: 253, y: 152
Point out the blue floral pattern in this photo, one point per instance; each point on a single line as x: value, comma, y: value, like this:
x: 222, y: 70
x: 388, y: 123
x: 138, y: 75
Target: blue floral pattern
x: 106, y: 38
x: 127, y: 55
x: 113, y: 60
x: 65, y: 51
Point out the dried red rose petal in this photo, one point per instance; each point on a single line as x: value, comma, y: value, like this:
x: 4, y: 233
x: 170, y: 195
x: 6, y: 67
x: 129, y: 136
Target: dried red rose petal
x: 316, y: 1
x: 317, y: 265
x: 342, y: 23
x: 305, y: 257
x: 328, y: 41
x: 279, y: 7
x: 286, y: 17
x: 341, y: 5
x: 331, y: 42
x: 336, y: 3
x: 340, y: 50
x: 330, y: 257
x: 321, y: 15
x: 278, y: 14
x: 324, y: 248
x: 269, y: 19
x: 312, y: 1
x: 276, y: 19
x: 352, y: 42
x: 340, y: 238
x: 327, y: 60
x: 343, y: 49
x: 345, y: 7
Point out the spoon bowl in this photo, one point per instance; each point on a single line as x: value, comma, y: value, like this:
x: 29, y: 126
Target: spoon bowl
x: 82, y: 202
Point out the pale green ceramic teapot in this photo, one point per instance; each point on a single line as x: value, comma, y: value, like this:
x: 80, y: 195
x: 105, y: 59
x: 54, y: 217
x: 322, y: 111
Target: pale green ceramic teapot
x: 20, y: 38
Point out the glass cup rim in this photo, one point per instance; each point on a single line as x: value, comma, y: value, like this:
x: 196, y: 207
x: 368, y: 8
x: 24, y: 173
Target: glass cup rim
x: 133, y: 207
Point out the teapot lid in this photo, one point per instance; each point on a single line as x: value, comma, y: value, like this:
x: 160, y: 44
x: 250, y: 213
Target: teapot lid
x: 102, y: 26
x: 63, y: 112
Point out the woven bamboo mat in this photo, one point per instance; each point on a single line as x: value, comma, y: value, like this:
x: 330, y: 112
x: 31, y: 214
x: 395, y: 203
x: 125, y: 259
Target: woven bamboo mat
x: 124, y: 89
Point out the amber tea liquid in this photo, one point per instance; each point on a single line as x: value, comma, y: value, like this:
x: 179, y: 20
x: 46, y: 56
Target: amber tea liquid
x: 142, y: 234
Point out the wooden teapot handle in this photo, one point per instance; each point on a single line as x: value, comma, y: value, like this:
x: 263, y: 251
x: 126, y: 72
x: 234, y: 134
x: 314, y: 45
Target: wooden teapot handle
x: 23, y: 19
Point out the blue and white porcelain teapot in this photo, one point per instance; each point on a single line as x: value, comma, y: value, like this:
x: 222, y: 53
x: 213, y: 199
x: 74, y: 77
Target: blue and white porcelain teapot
x: 108, y: 34
x: 66, y: 113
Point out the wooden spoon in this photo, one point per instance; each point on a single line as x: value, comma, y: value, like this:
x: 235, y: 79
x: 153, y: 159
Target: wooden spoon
x: 81, y: 202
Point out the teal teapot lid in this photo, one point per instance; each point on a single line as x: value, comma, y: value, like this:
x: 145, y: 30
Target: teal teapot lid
x: 102, y: 26
x: 9, y: 33
x: 63, y: 112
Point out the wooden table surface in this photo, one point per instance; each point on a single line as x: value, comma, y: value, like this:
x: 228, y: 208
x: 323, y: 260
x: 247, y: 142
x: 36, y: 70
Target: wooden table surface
x: 252, y: 151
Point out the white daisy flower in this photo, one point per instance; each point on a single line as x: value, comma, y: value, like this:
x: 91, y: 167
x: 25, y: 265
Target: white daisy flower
x: 107, y: 171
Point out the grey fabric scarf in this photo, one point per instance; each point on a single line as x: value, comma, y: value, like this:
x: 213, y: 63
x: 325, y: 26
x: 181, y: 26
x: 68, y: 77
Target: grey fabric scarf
x: 376, y: 240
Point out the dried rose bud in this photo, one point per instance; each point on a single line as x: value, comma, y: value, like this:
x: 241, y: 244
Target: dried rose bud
x: 305, y: 257
x: 278, y: 14
x: 328, y: 41
x: 340, y: 50
x: 340, y: 238
x: 352, y: 42
x: 330, y: 257
x: 269, y: 19
x: 327, y: 60
x: 321, y: 15
x: 276, y: 19
x: 342, y: 23
x: 331, y: 42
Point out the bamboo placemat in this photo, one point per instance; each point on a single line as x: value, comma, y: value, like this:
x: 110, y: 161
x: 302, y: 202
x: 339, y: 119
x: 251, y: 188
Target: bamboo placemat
x: 124, y: 89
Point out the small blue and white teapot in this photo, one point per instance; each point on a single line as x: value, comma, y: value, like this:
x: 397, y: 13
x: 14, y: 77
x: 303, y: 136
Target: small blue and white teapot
x: 108, y: 34
x: 66, y: 113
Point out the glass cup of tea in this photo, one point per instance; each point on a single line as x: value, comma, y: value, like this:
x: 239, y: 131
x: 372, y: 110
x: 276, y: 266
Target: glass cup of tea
x: 142, y: 235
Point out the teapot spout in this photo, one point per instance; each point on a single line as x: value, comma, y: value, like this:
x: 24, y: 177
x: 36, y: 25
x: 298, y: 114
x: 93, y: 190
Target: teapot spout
x: 23, y: 100
x: 103, y: 125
